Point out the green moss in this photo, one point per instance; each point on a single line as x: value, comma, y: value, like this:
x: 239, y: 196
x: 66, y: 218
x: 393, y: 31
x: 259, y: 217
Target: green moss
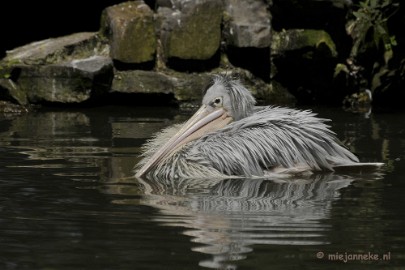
x: 321, y: 40
x: 302, y: 38
x: 6, y: 67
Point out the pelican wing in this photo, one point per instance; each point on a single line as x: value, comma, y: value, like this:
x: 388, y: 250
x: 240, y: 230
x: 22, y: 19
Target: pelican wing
x: 271, y: 137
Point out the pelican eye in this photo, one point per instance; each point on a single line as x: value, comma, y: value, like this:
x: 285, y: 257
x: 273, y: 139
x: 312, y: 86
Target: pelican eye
x: 217, y: 102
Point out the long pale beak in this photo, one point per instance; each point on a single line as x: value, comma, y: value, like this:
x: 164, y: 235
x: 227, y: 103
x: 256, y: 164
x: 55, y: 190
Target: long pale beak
x: 202, y: 122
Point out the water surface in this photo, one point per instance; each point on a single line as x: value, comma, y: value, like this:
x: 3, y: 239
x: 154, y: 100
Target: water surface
x: 68, y: 200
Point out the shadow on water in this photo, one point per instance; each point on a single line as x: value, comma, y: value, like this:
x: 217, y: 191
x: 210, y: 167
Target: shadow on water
x: 69, y: 174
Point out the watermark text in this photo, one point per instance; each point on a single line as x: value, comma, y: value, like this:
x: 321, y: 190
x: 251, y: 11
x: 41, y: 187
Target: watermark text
x: 348, y: 256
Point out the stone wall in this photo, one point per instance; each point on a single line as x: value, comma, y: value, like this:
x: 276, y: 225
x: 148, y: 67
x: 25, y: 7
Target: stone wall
x: 283, y: 50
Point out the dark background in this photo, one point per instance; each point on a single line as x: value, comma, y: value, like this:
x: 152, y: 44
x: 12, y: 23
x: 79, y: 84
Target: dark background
x: 23, y: 22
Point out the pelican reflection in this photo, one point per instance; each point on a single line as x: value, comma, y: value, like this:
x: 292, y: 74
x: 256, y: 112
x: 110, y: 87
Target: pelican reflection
x: 227, y: 217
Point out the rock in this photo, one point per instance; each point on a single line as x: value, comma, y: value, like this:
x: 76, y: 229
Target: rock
x: 8, y: 108
x: 10, y: 91
x: 68, y: 69
x: 187, y: 88
x: 139, y: 81
x: 358, y: 102
x: 130, y: 27
x: 277, y: 94
x: 247, y: 23
x: 192, y: 29
x: 303, y: 61
x: 297, y: 39
x: 53, y: 50
x: 69, y: 82
x: 183, y: 86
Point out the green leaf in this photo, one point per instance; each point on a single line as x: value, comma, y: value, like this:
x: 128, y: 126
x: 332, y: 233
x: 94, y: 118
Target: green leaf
x: 381, y: 30
x: 388, y: 54
x: 393, y: 41
x: 363, y: 5
x: 358, y: 15
x: 386, y: 3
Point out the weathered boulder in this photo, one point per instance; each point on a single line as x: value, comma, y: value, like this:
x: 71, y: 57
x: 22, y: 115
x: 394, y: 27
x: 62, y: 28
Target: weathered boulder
x: 130, y: 27
x: 75, y: 46
x: 183, y: 86
x: 189, y: 86
x: 247, y: 23
x: 191, y: 29
x: 67, y: 82
x: 67, y: 69
x: 140, y: 81
x: 10, y: 91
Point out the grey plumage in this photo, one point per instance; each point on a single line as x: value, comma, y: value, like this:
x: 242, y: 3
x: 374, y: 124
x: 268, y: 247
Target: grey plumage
x: 259, y: 141
x: 270, y: 138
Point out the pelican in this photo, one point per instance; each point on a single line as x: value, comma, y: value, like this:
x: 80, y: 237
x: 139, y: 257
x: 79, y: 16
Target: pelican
x: 231, y: 137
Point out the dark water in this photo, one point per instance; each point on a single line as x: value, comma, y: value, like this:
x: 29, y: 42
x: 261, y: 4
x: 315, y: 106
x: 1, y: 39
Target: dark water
x: 68, y: 201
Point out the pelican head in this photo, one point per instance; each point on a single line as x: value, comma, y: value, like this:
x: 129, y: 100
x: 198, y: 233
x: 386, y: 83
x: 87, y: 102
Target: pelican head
x: 229, y: 95
x: 224, y: 101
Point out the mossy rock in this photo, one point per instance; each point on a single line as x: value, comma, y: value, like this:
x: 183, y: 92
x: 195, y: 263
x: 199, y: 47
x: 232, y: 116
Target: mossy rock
x: 297, y: 39
x: 193, y: 31
x: 130, y: 28
x: 55, y: 50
